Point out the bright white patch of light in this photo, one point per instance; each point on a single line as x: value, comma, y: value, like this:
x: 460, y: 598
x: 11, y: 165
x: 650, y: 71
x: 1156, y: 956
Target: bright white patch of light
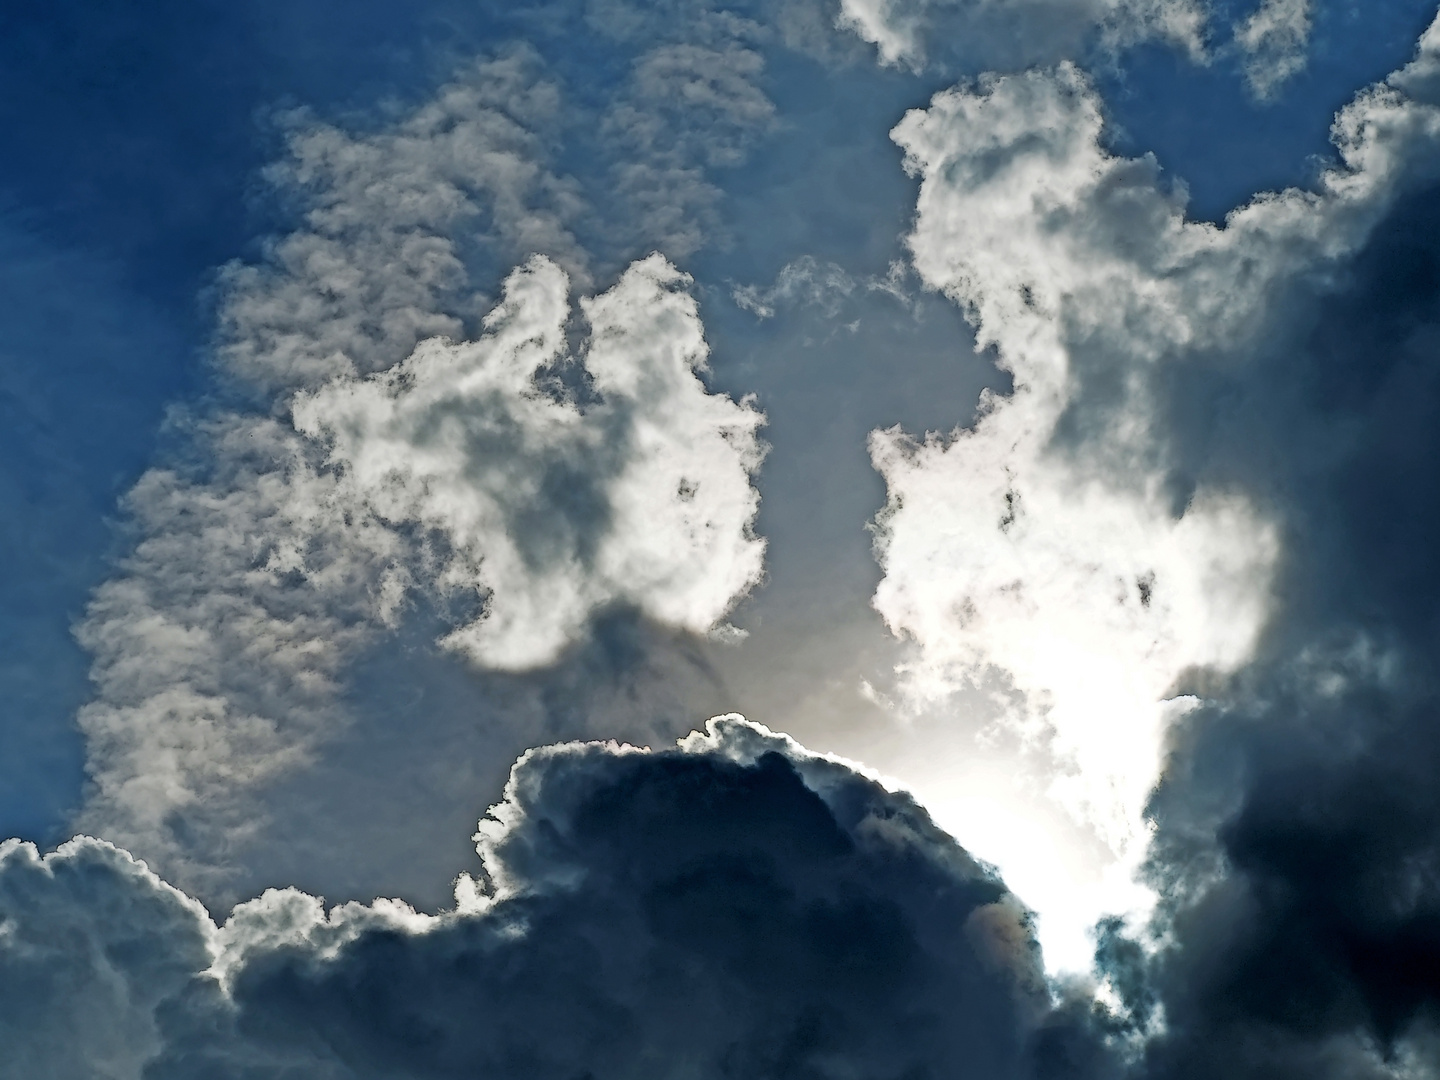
x: 1069, y: 885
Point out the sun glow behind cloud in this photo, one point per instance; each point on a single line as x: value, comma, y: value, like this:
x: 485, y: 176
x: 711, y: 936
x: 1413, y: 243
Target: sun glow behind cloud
x: 1064, y: 543
x: 429, y: 528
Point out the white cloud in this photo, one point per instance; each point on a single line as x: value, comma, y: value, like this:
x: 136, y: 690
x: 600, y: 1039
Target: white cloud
x: 1274, y: 39
x: 549, y: 509
x: 1065, y: 538
x: 519, y: 488
x: 907, y: 32
x: 257, y: 576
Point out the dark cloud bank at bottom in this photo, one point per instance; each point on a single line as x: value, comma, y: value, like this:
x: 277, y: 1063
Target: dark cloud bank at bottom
x: 736, y: 907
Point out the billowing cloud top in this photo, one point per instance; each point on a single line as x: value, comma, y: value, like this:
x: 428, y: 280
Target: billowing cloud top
x: 736, y: 905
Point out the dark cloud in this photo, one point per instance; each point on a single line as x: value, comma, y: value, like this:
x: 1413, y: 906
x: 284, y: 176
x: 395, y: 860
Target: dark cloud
x: 90, y: 944
x: 734, y: 907
x: 1299, y: 820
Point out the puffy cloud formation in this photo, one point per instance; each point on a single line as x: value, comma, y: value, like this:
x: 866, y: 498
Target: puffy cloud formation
x: 733, y: 906
x: 910, y: 32
x: 1115, y: 526
x: 256, y: 573
x: 547, y: 508
x: 419, y: 460
x: 468, y: 470
x: 91, y: 945
x: 391, y: 217
x: 512, y: 473
x: 1050, y: 539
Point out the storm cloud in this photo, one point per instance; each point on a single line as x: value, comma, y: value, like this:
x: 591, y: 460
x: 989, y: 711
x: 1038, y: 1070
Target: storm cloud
x: 734, y: 905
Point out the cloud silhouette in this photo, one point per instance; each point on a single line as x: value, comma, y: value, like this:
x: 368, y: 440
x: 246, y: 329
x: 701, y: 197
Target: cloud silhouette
x: 734, y: 905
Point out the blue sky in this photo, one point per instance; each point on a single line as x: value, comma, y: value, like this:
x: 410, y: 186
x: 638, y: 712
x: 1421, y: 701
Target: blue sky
x: 391, y: 390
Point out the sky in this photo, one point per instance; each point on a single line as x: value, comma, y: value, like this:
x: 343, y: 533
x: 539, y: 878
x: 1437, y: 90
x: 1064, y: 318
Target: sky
x: 700, y: 538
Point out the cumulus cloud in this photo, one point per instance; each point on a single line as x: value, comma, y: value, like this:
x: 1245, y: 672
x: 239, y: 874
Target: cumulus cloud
x: 1048, y: 539
x: 218, y: 649
x: 1201, y: 526
x: 912, y: 33
x: 1097, y: 535
x: 514, y: 468
x: 734, y: 904
x: 91, y: 944
x: 1296, y: 820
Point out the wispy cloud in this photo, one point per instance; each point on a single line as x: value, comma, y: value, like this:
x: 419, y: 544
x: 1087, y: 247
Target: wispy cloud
x: 1275, y: 39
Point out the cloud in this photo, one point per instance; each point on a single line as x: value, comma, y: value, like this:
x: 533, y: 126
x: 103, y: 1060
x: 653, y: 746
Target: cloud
x: 460, y: 474
x: 410, y: 449
x: 915, y: 33
x: 1048, y: 540
x: 1296, y: 820
x: 1274, y: 39
x: 548, y: 509
x: 733, y: 904
x: 218, y: 649
x: 91, y: 943
x: 1116, y: 524
x: 1200, y: 527
x: 806, y: 280
x: 689, y: 109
